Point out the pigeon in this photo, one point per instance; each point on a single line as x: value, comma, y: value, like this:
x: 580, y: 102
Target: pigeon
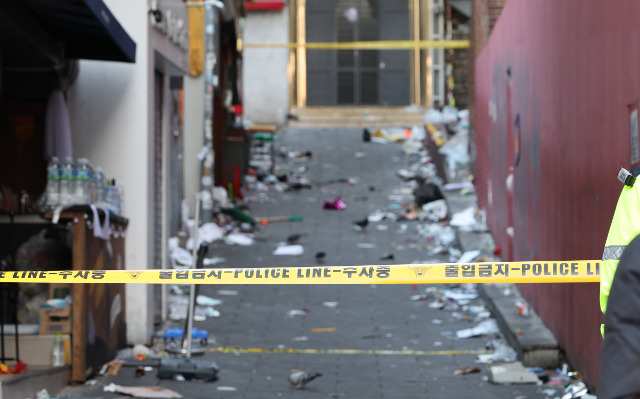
x: 366, y: 135
x: 320, y: 257
x: 299, y: 379
x: 361, y: 224
x: 294, y: 238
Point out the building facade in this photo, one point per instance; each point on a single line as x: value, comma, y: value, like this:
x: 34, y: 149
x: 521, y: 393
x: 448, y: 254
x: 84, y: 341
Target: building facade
x: 396, y: 75
x: 127, y: 118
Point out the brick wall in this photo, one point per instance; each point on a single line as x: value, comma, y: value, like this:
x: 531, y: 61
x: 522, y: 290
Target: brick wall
x: 484, y: 16
x: 460, y: 60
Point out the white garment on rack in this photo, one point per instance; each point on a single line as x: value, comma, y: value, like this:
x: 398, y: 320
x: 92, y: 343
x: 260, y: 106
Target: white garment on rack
x: 57, y: 127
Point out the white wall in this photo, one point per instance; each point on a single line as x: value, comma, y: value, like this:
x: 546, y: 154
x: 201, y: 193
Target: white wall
x: 111, y: 113
x: 108, y: 113
x: 265, y: 85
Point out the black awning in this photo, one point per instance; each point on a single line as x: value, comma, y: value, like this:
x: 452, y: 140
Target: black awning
x: 86, y: 29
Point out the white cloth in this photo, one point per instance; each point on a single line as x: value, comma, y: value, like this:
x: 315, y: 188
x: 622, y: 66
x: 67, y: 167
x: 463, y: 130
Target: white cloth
x: 57, y: 127
x: 100, y: 231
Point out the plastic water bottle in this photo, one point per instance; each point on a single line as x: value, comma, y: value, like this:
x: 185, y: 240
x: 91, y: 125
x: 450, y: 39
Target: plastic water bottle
x: 83, y: 182
x: 67, y: 180
x: 109, y: 198
x: 120, y: 200
x: 113, y: 198
x: 57, y: 352
x: 100, y: 188
x: 53, y: 183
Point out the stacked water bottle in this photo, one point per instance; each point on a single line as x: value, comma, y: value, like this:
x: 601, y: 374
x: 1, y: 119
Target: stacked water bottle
x: 79, y: 183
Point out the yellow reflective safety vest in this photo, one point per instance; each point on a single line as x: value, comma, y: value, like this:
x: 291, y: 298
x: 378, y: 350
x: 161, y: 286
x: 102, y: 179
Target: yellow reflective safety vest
x: 625, y: 226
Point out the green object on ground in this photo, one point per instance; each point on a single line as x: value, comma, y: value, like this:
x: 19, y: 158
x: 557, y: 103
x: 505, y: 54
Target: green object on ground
x: 241, y: 216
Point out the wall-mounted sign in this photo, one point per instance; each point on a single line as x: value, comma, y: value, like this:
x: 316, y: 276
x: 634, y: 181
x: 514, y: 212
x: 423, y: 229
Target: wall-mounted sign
x: 175, y: 28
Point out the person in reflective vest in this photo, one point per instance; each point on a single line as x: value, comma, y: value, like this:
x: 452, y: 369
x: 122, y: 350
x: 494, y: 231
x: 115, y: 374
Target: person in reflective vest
x: 620, y: 354
x: 625, y: 226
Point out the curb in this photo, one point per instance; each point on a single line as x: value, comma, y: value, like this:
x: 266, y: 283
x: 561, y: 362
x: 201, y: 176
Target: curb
x: 528, y: 336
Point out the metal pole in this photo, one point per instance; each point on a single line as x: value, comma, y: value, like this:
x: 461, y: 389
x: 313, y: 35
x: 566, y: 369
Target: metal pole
x: 210, y: 61
x: 192, y: 290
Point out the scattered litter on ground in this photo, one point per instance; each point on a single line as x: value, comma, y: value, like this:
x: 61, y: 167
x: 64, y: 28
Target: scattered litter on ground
x: 292, y: 250
x: 469, y: 256
x: 324, y: 329
x: 140, y: 351
x: 212, y: 261
x: 511, y: 373
x: 143, y: 392
x: 226, y: 389
x: 467, y: 370
x: 463, y: 185
x: 366, y: 245
x: 379, y: 215
x: 465, y: 218
x: 207, y: 301
x: 523, y: 309
x: 238, y: 239
x: 227, y: 292
x: 501, y: 353
x: 459, y: 296
x: 334, y: 204
x: 427, y: 192
x: 434, y: 211
x: 111, y: 368
x: 485, y: 327
x: 330, y: 304
x: 297, y: 312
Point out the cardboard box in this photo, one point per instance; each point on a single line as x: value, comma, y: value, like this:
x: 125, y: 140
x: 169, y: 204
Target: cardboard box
x: 55, y: 320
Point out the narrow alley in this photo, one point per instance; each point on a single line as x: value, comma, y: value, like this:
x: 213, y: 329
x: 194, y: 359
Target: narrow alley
x: 367, y: 341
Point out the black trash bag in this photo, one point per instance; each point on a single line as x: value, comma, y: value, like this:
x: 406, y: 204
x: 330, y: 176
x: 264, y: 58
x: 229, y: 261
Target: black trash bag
x: 427, y: 192
x: 366, y: 135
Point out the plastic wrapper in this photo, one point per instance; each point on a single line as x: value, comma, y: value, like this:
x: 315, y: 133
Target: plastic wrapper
x: 486, y: 327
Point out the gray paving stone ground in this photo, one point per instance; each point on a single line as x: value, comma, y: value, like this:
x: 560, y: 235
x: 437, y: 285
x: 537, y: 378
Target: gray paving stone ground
x: 367, y: 317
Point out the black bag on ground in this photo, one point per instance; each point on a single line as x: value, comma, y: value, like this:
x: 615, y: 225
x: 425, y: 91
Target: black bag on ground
x: 427, y: 192
x: 189, y: 368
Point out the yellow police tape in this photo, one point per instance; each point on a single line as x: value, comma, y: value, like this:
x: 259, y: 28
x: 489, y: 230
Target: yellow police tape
x: 371, y: 45
x: 491, y: 272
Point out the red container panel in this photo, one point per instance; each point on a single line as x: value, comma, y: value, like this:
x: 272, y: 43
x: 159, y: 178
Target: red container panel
x: 554, y: 88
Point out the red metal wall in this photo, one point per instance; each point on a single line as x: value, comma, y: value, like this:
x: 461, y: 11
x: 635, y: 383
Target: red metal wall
x: 568, y: 71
